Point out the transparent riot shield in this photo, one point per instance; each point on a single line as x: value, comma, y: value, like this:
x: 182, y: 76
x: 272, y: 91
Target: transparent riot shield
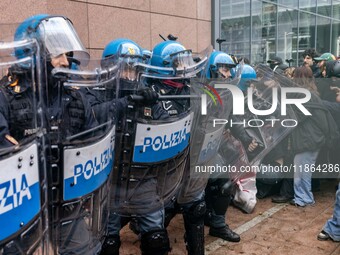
x: 240, y: 173
x: 155, y: 138
x: 23, y: 185
x: 213, y: 110
x: 262, y: 121
x: 266, y: 114
x: 80, y: 105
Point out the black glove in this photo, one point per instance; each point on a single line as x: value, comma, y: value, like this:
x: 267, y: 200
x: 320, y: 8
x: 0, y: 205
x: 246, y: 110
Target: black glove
x: 255, y: 151
x: 149, y: 96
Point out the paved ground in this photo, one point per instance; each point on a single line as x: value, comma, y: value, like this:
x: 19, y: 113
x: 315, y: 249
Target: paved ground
x: 271, y: 229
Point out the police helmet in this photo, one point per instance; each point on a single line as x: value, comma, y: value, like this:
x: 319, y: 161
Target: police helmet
x: 171, y: 54
x: 121, y: 47
x: 217, y: 61
x: 55, y: 34
x: 127, y: 52
x: 248, y: 73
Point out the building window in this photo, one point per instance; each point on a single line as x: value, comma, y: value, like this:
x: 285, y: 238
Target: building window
x: 259, y: 29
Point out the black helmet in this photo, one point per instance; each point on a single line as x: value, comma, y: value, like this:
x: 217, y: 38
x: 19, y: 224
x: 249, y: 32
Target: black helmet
x: 336, y: 68
x: 333, y: 68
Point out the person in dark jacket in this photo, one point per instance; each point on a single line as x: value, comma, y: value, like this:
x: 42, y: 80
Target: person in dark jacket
x: 277, y: 65
x: 331, y: 229
x: 308, y: 60
x: 331, y: 79
x: 311, y: 134
x: 321, y: 63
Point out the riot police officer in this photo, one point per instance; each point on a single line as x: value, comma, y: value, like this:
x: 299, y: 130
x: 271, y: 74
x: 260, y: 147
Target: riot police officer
x: 154, y: 238
x: 67, y: 112
x: 60, y: 50
x: 220, y: 66
x: 21, y: 138
x: 171, y: 67
x: 218, y: 199
x: 16, y: 121
x: 219, y: 190
x: 180, y: 67
x: 17, y: 89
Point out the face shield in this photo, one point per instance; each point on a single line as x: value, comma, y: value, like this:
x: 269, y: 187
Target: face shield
x: 236, y: 73
x: 130, y: 67
x: 129, y: 55
x: 181, y: 60
x: 224, y: 71
x: 59, y: 37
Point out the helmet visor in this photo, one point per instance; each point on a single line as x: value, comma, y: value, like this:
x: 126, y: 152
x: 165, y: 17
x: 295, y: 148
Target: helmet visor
x: 60, y: 37
x: 223, y: 71
x: 130, y: 67
x: 181, y: 60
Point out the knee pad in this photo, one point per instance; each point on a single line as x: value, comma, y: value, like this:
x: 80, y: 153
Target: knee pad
x: 111, y: 245
x: 218, y: 200
x: 155, y: 242
x: 196, y: 212
x: 220, y: 187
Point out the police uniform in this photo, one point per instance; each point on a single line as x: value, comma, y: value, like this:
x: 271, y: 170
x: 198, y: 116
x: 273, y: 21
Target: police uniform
x: 172, y: 87
x: 68, y: 113
x: 219, y: 191
x: 74, y: 114
x: 154, y: 239
x: 16, y: 110
x: 17, y: 123
x: 193, y: 211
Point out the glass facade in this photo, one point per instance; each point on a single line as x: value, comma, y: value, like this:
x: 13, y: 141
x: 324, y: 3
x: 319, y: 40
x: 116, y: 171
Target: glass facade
x: 261, y: 29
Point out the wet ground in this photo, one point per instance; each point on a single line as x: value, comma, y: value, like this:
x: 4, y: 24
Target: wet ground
x: 270, y: 229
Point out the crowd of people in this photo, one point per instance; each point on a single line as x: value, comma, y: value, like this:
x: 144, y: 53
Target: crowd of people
x: 314, y: 142
x: 57, y: 101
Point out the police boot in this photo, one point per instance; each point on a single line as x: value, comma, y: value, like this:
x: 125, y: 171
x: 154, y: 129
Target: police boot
x: 194, y: 228
x: 111, y: 245
x: 225, y: 233
x: 155, y: 242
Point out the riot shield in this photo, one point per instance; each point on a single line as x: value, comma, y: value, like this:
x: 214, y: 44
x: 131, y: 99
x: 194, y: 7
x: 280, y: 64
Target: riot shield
x: 155, y: 139
x: 263, y: 122
x: 213, y: 110
x: 240, y: 173
x: 23, y: 185
x: 265, y: 113
x: 80, y: 105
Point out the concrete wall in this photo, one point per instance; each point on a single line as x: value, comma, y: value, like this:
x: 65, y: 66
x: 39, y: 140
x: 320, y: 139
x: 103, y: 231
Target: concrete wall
x: 100, y: 21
